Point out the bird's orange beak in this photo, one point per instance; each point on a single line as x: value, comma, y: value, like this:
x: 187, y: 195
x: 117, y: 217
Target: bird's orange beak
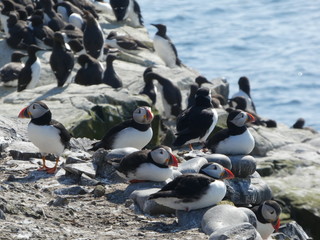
x: 24, y: 113
x: 250, y: 118
x: 173, y: 161
x: 227, y: 174
x: 149, y: 114
x: 276, y: 225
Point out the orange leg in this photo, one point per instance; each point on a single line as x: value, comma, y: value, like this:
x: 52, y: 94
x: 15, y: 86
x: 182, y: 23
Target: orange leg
x: 190, y: 146
x: 137, y: 181
x: 44, y: 167
x: 53, y: 170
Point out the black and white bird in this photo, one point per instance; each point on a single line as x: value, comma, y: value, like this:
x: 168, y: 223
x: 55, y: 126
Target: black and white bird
x: 165, y: 48
x: 93, y: 38
x: 51, y: 18
x: 43, y: 34
x: 127, y: 10
x: 147, y: 165
x: 268, y: 220
x: 170, y: 94
x: 244, y: 91
x: 110, y: 77
x: 135, y: 132
x: 149, y: 88
x: 9, y: 72
x: 194, y: 191
x: 197, y: 122
x: 61, y: 60
x: 29, y: 75
x: 124, y: 42
x: 236, y: 139
x: 49, y: 135
x: 90, y: 72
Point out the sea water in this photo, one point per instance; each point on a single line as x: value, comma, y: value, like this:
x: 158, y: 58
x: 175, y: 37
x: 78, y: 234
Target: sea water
x: 276, y: 44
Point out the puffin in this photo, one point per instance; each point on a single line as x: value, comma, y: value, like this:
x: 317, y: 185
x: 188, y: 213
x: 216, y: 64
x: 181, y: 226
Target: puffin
x: 244, y: 91
x: 93, y: 38
x: 149, y: 88
x: 197, y: 122
x: 9, y: 72
x: 128, y: 10
x: 110, y: 77
x: 29, y: 75
x: 61, y: 60
x: 49, y: 135
x: 165, y: 48
x: 135, y: 132
x: 194, y: 190
x: 268, y: 220
x: 90, y: 72
x: 236, y: 139
x: 147, y: 165
x: 171, y: 94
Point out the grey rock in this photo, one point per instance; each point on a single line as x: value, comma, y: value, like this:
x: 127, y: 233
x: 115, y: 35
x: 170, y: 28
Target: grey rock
x: 140, y: 197
x: 192, y: 165
x: 219, y: 158
x: 236, y: 232
x: 243, y: 165
x: 71, y: 191
x: 292, y: 231
x: 224, y: 215
x: 2, y: 215
x: 191, y: 219
x: 80, y: 168
x: 143, y: 185
x: 99, y: 191
x: 250, y: 190
x: 59, y: 202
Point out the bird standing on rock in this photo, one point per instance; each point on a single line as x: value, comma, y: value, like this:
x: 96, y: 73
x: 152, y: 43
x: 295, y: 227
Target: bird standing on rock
x: 135, y: 132
x: 147, y: 165
x: 197, y: 122
x: 49, y: 135
x: 244, y: 91
x: 236, y: 139
x: 110, y: 77
x: 165, y: 48
x: 127, y: 10
x: 194, y: 191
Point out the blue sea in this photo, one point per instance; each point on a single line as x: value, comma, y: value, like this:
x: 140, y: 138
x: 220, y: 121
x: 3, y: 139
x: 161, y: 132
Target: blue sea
x: 275, y: 43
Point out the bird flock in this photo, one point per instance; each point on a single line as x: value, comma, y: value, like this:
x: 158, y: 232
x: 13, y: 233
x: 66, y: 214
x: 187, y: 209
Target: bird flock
x: 71, y: 31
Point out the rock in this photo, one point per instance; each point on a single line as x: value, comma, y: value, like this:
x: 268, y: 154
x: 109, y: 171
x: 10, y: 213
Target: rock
x: 192, y: 165
x: 141, y: 186
x: 80, y: 168
x: 250, y: 190
x: 225, y: 215
x: 243, y: 165
x: 219, y: 158
x: 59, y: 202
x: 191, y: 219
x: 236, y: 232
x: 2, y: 215
x: 291, y: 230
x: 71, y: 191
x: 140, y: 197
x: 99, y: 191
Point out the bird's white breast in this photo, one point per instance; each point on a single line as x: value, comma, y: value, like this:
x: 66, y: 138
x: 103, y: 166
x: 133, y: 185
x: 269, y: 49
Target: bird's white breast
x: 150, y: 172
x: 241, y: 93
x: 237, y: 144
x: 4, y: 19
x: 46, y: 138
x: 131, y: 137
x: 265, y: 229
x: 35, y: 74
x: 164, y: 50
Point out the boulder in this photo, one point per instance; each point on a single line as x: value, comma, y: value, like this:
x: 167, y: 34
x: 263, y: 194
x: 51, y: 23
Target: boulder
x: 236, y: 232
x: 242, y: 165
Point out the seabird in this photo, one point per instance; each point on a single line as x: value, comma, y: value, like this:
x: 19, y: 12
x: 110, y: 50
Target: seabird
x: 110, y: 77
x: 244, y: 91
x: 127, y: 10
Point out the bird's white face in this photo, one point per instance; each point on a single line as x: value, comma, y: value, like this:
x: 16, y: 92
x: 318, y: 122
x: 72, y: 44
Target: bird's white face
x: 37, y: 110
x: 269, y: 213
x: 143, y: 115
x: 240, y: 120
x: 217, y: 171
x: 163, y: 156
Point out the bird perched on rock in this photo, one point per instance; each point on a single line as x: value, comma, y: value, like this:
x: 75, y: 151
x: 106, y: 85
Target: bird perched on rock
x: 244, y: 91
x: 147, y: 165
x: 149, y: 88
x: 194, y: 191
x: 171, y: 94
x: 29, y: 75
x: 9, y: 72
x: 164, y: 47
x: 236, y: 139
x: 93, y: 39
x: 197, y: 122
x: 90, y: 72
x: 127, y: 10
x: 43, y: 34
x: 135, y: 132
x: 61, y: 60
x: 47, y: 134
x: 51, y: 18
x: 124, y: 43
x: 267, y: 214
x: 110, y: 77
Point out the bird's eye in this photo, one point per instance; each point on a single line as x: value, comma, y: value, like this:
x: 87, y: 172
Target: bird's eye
x: 33, y: 107
x: 272, y: 212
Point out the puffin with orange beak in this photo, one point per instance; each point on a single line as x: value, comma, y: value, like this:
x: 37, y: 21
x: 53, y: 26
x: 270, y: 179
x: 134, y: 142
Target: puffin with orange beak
x: 236, y: 139
x: 147, y: 165
x: 135, y: 132
x: 47, y: 134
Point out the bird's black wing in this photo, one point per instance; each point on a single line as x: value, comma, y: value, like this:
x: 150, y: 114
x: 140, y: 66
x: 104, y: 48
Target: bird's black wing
x: 64, y: 134
x: 133, y: 161
x: 24, y: 78
x: 216, y: 138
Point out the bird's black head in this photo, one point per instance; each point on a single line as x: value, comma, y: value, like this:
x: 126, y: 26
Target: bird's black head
x: 162, y: 29
x: 201, y: 80
x: 244, y: 85
x: 119, y: 8
x: 203, y: 97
